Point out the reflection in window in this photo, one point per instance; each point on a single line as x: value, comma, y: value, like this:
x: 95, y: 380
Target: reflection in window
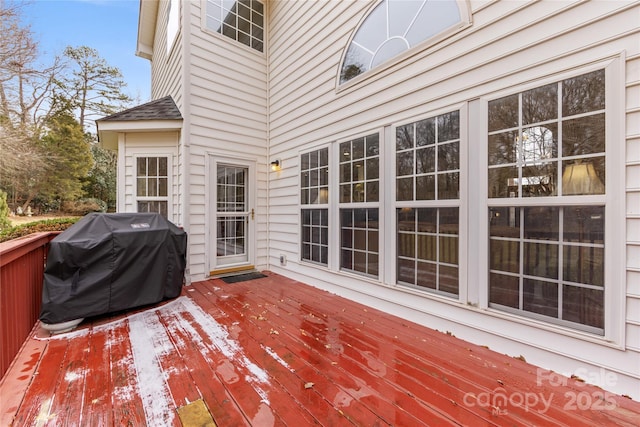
x: 428, y: 159
x: 359, y: 186
x: 314, y: 190
x: 427, y: 248
x: 393, y: 27
x: 549, y: 261
x: 359, y: 169
x: 241, y: 20
x: 536, y: 150
x: 359, y: 241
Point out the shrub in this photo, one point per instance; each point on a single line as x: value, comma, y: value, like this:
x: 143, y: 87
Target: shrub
x: 4, y: 211
x: 84, y: 206
x: 58, y: 224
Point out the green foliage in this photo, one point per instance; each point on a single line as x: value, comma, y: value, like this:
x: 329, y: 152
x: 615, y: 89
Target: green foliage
x: 70, y: 158
x: 101, y: 181
x: 4, y: 211
x: 84, y: 206
x: 58, y: 224
x: 95, y: 88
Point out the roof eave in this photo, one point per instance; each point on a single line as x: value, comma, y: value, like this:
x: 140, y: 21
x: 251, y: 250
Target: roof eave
x: 108, y: 130
x: 146, y: 28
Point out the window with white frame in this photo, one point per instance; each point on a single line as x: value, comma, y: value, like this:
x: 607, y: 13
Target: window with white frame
x: 314, y: 199
x: 427, y: 210
x: 393, y: 27
x: 152, y: 184
x: 241, y: 20
x: 359, y: 204
x: 546, y: 187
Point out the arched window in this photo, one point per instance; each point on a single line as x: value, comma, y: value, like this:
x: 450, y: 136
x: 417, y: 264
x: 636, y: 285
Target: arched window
x: 393, y: 27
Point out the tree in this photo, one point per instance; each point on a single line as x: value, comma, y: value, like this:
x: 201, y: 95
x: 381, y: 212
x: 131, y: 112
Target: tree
x: 27, y: 99
x: 70, y: 159
x: 101, y: 180
x: 4, y: 211
x: 95, y: 87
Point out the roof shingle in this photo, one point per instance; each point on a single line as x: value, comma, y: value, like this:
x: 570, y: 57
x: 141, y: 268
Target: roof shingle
x: 160, y: 109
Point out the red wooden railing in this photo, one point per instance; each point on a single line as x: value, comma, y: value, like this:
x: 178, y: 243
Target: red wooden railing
x: 21, y: 274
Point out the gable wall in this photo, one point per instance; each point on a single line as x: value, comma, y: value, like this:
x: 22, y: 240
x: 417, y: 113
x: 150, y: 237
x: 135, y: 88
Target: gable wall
x: 227, y: 96
x: 508, y: 45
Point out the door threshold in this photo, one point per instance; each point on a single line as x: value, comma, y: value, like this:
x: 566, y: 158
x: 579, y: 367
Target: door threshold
x: 229, y: 271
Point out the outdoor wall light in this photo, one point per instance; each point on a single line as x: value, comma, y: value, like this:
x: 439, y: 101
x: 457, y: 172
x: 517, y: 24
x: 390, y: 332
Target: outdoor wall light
x: 276, y: 165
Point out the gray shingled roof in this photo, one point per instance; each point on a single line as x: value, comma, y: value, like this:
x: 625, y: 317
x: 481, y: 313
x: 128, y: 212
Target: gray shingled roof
x: 160, y: 109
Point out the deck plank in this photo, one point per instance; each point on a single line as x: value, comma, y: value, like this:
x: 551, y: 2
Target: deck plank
x: 275, y: 352
x: 96, y: 408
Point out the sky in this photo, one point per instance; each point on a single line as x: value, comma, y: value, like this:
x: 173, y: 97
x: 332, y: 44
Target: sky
x: 109, y: 26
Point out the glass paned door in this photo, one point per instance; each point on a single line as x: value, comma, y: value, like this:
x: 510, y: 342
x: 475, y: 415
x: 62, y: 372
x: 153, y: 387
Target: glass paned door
x: 232, y: 215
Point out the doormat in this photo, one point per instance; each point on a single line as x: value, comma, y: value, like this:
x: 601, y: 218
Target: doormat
x: 243, y: 277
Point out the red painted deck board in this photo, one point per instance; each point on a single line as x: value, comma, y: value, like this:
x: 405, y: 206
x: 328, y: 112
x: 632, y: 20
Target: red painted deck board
x: 276, y: 352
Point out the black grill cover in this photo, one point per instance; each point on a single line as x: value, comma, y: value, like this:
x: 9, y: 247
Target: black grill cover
x: 110, y: 262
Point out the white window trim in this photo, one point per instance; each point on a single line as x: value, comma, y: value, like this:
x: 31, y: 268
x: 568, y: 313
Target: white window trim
x: 434, y: 41
x: 169, y: 197
x: 330, y: 202
x: 380, y: 205
x: 461, y: 203
x: 615, y: 220
x: 207, y: 30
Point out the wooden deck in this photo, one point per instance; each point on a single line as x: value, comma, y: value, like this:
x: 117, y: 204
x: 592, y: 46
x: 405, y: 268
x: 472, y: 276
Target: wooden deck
x: 273, y: 351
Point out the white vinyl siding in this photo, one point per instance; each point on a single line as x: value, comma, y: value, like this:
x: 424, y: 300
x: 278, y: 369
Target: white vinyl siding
x: 508, y: 45
x: 227, y: 94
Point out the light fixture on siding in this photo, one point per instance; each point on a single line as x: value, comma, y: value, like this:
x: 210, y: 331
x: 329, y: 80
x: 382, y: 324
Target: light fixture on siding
x: 276, y: 165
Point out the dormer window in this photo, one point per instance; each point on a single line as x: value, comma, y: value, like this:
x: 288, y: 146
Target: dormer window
x: 241, y: 20
x: 394, y: 27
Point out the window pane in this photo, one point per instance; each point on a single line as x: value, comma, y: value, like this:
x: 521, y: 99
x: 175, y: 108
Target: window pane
x: 141, y: 190
x: 583, y: 177
x: 404, y: 137
x: 425, y: 188
x: 448, y: 185
x: 404, y: 163
x: 314, y: 235
x: 427, y: 275
x: 503, y: 113
x: 540, y: 297
x: 504, y: 255
x: 583, y: 264
x: 449, y: 156
x: 541, y: 223
x: 504, y: 222
x: 406, y: 271
x: 584, y: 135
x: 540, y: 104
x: 584, y: 306
x: 503, y: 182
x: 449, y: 126
x: 541, y: 260
x: 503, y: 148
x: 540, y: 181
x: 426, y: 132
x: 583, y: 94
x: 448, y: 279
x: 584, y: 224
x: 141, y: 166
x: 504, y: 290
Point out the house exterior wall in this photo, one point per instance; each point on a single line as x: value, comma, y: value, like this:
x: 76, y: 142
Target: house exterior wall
x: 223, y: 99
x: 147, y: 144
x: 252, y: 107
x: 508, y: 46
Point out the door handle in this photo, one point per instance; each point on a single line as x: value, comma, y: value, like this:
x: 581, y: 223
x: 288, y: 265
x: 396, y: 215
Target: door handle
x: 253, y: 214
